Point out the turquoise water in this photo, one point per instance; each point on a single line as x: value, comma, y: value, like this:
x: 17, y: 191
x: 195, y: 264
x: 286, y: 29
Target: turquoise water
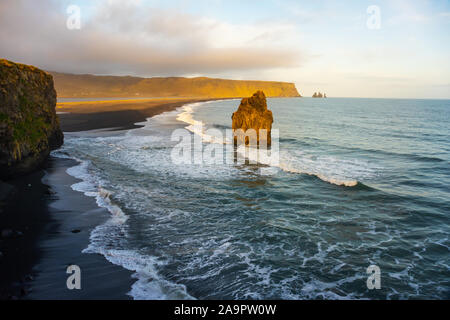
x: 360, y: 182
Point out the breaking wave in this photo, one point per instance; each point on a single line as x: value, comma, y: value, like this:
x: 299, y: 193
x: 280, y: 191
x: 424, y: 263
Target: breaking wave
x: 108, y: 240
x: 329, y: 169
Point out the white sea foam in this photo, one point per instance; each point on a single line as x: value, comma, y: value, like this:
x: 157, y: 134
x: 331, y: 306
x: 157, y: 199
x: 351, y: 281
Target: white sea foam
x: 312, y: 171
x: 341, y: 172
x: 149, y: 285
x: 198, y: 127
x: 138, y: 174
x: 90, y: 186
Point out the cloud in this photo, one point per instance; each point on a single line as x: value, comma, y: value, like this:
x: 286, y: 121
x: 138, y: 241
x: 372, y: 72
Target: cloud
x: 128, y: 37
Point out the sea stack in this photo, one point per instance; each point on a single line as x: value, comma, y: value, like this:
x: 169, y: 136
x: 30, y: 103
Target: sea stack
x: 29, y: 126
x: 253, y: 114
x: 319, y: 95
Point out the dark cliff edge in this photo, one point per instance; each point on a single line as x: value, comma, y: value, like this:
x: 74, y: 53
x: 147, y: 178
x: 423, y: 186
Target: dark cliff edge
x: 91, y: 86
x: 29, y: 126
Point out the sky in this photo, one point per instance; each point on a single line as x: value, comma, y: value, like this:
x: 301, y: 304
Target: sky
x: 376, y: 48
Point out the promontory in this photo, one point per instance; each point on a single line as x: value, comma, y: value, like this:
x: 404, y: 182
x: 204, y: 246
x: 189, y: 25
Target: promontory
x: 29, y: 126
x: 93, y: 86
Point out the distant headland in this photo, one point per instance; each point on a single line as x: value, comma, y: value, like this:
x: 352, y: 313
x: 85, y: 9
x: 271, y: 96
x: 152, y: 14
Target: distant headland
x: 92, y: 86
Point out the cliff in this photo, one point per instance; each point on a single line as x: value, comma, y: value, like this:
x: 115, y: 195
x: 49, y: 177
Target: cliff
x: 90, y: 86
x: 253, y: 114
x: 29, y: 127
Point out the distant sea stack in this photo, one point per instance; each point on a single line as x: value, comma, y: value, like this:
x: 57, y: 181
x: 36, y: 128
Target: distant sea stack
x: 253, y: 114
x: 319, y: 95
x: 29, y: 126
x: 90, y: 86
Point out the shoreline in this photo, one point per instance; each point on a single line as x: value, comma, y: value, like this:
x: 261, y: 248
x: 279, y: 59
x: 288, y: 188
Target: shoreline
x: 73, y: 216
x: 116, y: 114
x: 53, y: 222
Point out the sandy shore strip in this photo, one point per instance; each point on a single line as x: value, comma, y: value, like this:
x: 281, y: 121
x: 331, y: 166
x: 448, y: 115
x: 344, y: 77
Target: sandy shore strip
x: 55, y: 223
x: 73, y: 217
x: 24, y: 215
x: 117, y: 114
x: 52, y: 223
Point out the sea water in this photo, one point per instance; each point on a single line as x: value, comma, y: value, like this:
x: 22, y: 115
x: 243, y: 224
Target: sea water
x: 359, y: 182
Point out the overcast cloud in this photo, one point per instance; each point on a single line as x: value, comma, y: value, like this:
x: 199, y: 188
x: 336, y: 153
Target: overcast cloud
x: 319, y: 45
x: 121, y: 37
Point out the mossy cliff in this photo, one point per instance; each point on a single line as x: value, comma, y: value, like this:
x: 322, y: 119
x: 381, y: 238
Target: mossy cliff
x: 29, y: 126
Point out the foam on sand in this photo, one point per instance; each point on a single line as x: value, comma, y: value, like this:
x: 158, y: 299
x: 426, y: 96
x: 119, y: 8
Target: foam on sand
x: 112, y: 234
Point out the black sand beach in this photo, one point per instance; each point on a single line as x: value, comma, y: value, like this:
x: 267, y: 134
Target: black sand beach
x: 119, y: 114
x: 46, y: 225
x: 72, y: 218
x: 56, y: 222
x: 24, y: 213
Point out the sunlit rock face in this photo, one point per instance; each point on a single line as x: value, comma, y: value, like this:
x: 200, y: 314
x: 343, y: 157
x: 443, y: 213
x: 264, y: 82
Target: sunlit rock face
x: 253, y: 114
x: 29, y: 126
x: 82, y: 86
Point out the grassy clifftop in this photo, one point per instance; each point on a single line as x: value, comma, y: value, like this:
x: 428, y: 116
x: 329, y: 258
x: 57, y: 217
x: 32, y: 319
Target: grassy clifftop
x: 77, y: 86
x: 29, y: 127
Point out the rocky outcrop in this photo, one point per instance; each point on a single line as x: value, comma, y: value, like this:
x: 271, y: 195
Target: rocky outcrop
x: 29, y: 126
x: 253, y: 114
x: 319, y: 95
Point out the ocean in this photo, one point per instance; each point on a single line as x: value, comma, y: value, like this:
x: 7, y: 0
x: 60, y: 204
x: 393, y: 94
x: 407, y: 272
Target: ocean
x: 359, y: 182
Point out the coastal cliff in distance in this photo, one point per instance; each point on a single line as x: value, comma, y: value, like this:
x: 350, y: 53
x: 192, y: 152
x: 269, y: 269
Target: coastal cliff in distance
x: 90, y: 86
x: 29, y: 126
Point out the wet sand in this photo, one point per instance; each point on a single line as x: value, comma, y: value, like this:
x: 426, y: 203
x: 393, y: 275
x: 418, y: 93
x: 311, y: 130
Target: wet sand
x: 23, y: 209
x: 116, y: 114
x: 72, y: 218
x: 55, y: 222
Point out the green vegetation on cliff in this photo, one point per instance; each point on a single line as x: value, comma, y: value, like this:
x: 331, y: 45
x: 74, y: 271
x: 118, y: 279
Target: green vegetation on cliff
x: 29, y: 127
